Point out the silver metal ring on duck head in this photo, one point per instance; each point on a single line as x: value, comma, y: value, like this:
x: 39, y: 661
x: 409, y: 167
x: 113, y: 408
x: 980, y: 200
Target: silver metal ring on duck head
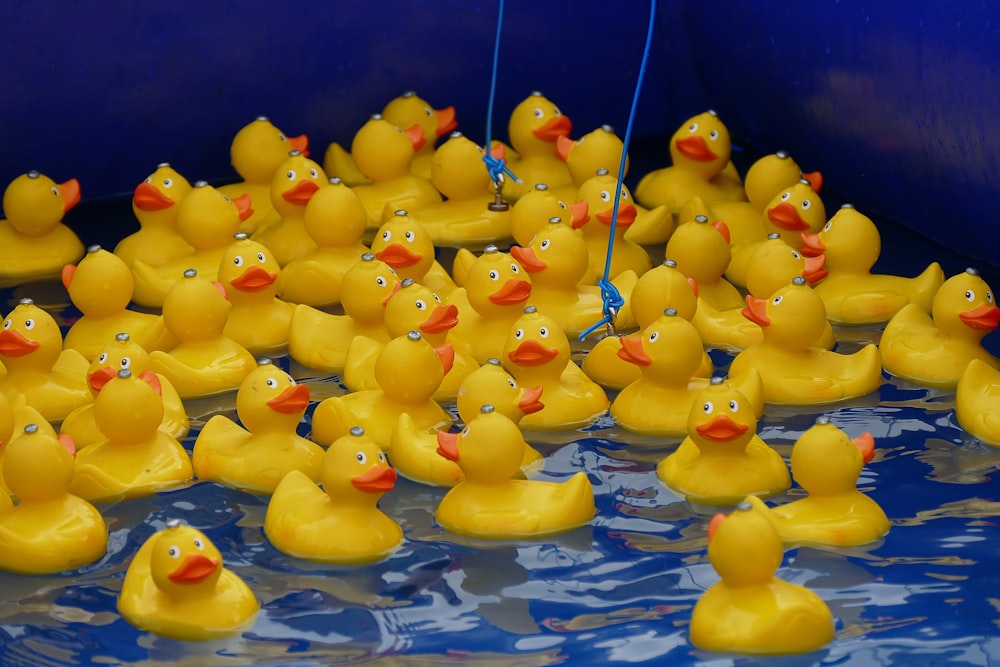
x: 368, y: 257
x: 334, y: 180
x: 774, y: 235
x: 264, y: 361
x: 490, y: 249
x: 672, y: 263
x: 781, y: 155
x: 163, y: 165
x: 122, y: 337
x: 173, y: 523
x: 25, y: 301
x: 716, y: 380
x: 401, y: 212
x: 124, y: 373
x: 494, y: 361
x: 262, y: 118
x: 190, y: 273
x: 971, y: 271
x: 409, y: 93
x: 200, y: 184
x: 670, y: 312
x: 31, y: 428
x: 542, y: 186
x: 455, y: 134
x: 535, y: 93
x: 530, y: 310
x: 406, y: 282
x: 413, y: 335
x: 743, y: 506
x: 376, y: 116
x: 711, y: 112
x: 603, y: 171
x: 33, y: 174
x: 805, y: 182
x: 701, y: 218
x: 294, y: 152
x: 846, y: 206
x: 357, y: 431
x: 240, y: 236
x: 608, y: 129
x: 486, y: 408
x: 799, y: 280
x: 823, y: 419
x: 555, y: 220
x: 93, y: 248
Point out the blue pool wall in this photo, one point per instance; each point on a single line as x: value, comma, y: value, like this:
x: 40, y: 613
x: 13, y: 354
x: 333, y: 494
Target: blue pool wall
x: 896, y: 102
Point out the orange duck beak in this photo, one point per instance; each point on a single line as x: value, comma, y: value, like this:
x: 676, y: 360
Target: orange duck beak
x: 984, y: 316
x: 446, y: 355
x: 552, y: 129
x: 785, y: 216
x: 532, y: 353
x: 70, y: 191
x: 448, y: 445
x: 866, y: 443
x: 300, y: 144
x: 581, y: 213
x: 563, y: 146
x: 254, y: 279
x: 756, y: 311
x: 398, y: 256
x: 243, y: 205
x: 99, y: 378
x: 512, y: 292
x: 714, y: 524
x: 529, y: 402
x: 812, y: 245
x: 527, y: 258
x: 723, y: 229
x: 395, y: 288
x: 292, y: 400
x: 721, y: 429
x: 148, y: 198
x: 14, y: 344
x: 626, y: 215
x: 445, y: 119
x: 814, y: 271
x: 815, y: 179
x: 66, y: 275
x: 441, y: 319
x: 194, y: 569
x: 695, y: 148
x: 415, y: 134
x: 632, y: 352
x: 377, y: 479
x: 301, y: 193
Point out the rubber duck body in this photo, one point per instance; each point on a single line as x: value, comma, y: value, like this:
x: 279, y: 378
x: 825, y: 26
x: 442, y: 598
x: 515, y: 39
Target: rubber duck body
x: 205, y: 361
x: 52, y: 379
x: 336, y: 221
x: 976, y: 399
x: 50, y: 530
x: 850, y: 244
x: 598, y: 149
x: 794, y: 371
x: 826, y: 464
x: 599, y: 193
x: 176, y: 586
x: 293, y: 185
x: 534, y: 127
x: 537, y: 353
x: 532, y: 213
x: 722, y: 459
x: 256, y: 153
x: 699, y: 151
x: 256, y: 456
x: 34, y: 242
x: 137, y: 458
x: 489, y: 502
x: 701, y: 250
x: 750, y: 611
x: 301, y: 517
x: 155, y: 203
x: 403, y: 243
x: 933, y: 350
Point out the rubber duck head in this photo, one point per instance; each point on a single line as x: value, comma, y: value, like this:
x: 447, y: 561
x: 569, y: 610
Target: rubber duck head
x: 409, y: 369
x: 368, y: 284
x: 669, y: 349
x: 457, y: 169
x: 556, y: 256
x: 535, y: 125
x: 248, y: 270
x: 849, y: 241
x: 195, y: 309
x: 964, y: 307
x: 496, y: 283
x: 404, y: 244
x: 415, y: 307
x: 771, y: 174
x: 207, y: 219
x: 335, y: 216
x: 663, y: 287
x: 489, y: 449
x: 744, y: 547
x: 599, y: 193
x: 793, y: 317
x: 184, y: 564
x: 773, y: 264
x: 702, y: 145
x: 409, y: 109
x: 826, y: 461
x: 100, y: 285
x: 721, y: 417
x: 383, y: 151
x: 355, y: 470
x: 122, y: 353
x: 598, y: 149
x: 539, y: 205
x: 294, y: 183
x: 30, y: 340
x: 37, y: 466
x: 34, y: 204
x: 701, y: 249
x: 270, y: 400
x: 259, y: 148
x: 490, y: 383
x: 156, y: 199
x: 795, y: 210
x: 128, y: 410
x: 536, y: 340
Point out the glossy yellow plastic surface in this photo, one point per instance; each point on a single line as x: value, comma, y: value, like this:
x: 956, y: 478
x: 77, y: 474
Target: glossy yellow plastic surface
x: 701, y: 249
x: 155, y: 203
x: 531, y: 213
x: 626, y: 255
x: 977, y: 398
x: 258, y: 320
x: 293, y: 185
x: 409, y: 109
x: 535, y: 125
x: 598, y: 149
x: 403, y: 243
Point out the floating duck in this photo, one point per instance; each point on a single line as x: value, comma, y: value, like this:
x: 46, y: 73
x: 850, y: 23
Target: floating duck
x: 722, y: 459
x: 495, y: 293
x: 7, y: 419
x: 771, y: 174
x: 205, y: 361
x: 598, y: 149
x: 336, y: 221
x: 976, y: 397
x: 408, y: 371
x: 491, y: 383
x: 123, y: 353
x: 699, y: 152
x: 257, y: 151
x: 320, y: 340
x: 468, y: 217
x: 100, y: 287
x: 384, y: 154
x: 599, y: 193
x: 537, y: 353
x: 701, y: 250
x: 293, y: 184
x: 489, y: 502
x: 850, y: 244
x: 403, y: 243
x: 933, y: 350
x: 793, y: 369
x: 51, y: 379
x: 34, y: 242
x: 258, y: 319
x: 533, y: 211
x: 50, y: 530
x: 558, y: 262
x: 750, y: 611
x: 136, y: 458
x: 534, y: 126
x: 826, y: 464
x: 155, y: 203
x: 301, y: 516
x: 207, y: 221
x: 176, y: 586
x: 255, y: 457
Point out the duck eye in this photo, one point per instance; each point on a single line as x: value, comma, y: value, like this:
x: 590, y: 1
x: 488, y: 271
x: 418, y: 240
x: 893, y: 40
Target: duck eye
x: 381, y: 457
x: 827, y: 226
x: 605, y: 195
x: 386, y: 235
x: 515, y: 268
x: 174, y: 551
x: 734, y: 406
x: 796, y: 255
x: 260, y: 257
x: 238, y: 260
x: 785, y: 196
x: 510, y: 381
x: 556, y: 111
x: 654, y: 336
x: 198, y: 544
x: 708, y: 408
x: 29, y: 324
x: 693, y: 127
x: 624, y: 196
x: 149, y: 179
x: 544, y: 245
x: 282, y: 136
x: 562, y: 205
x: 55, y: 191
x: 101, y: 359
x: 806, y: 204
x: 314, y: 174
x: 989, y: 296
x: 494, y: 275
x: 776, y: 300
x: 409, y: 236
x: 436, y: 297
x: 271, y: 382
x: 539, y: 113
x: 428, y: 111
x: 291, y: 175
x: 713, y: 135
x: 543, y: 332
x: 420, y: 304
x: 970, y: 295
x: 465, y: 432
x: 168, y: 182
x: 6, y: 324
x: 361, y: 458
x: 380, y: 281
x: 519, y: 334
x: 125, y: 362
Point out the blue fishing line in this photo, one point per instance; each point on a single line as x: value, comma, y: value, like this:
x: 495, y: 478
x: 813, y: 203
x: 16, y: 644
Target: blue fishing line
x: 613, y: 300
x: 496, y: 166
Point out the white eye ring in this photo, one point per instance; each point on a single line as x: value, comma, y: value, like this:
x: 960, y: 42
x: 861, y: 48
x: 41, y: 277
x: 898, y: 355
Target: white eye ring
x: 465, y: 432
x: 238, y: 260
x: 168, y: 182
x: 708, y: 408
x: 519, y: 334
x: 101, y: 359
x: 654, y: 336
x: 515, y: 268
x: 970, y: 295
x: 539, y: 113
x: 261, y: 258
x: 174, y: 551
x: 420, y: 304
x: 785, y: 196
x: 796, y: 255
x: 734, y: 406
x: 271, y: 382
x: 198, y: 544
x: 605, y: 195
x: 125, y: 362
x: 361, y: 458
x: 381, y: 457
x: 827, y: 226
x: 410, y: 236
x: 543, y: 332
x: 510, y: 381
x: 386, y: 235
x: 776, y: 300
x: 314, y: 173
x: 544, y: 245
x: 713, y: 135
x: 806, y: 204
x: 494, y: 275
x: 693, y: 127
x: 29, y: 324
x: 381, y: 282
x: 291, y: 175
x: 989, y: 296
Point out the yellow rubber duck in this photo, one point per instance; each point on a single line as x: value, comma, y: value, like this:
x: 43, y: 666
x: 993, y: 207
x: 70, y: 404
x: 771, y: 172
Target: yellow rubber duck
x: 598, y: 149
x: 722, y: 459
x: 7, y: 419
x: 537, y: 353
x: 933, y: 350
x: 256, y: 152
x: 301, y: 517
x: 207, y: 221
x: 795, y: 371
x: 52, y: 380
x: 408, y: 371
x: 50, y: 530
x: 176, y: 586
x: 489, y: 502
x: 205, y: 361
x: 599, y: 192
x: 668, y: 353
x: 136, y: 458
x: 256, y: 453
x: 751, y: 611
x: 123, y: 353
x: 34, y: 242
x: 533, y: 128
x: 532, y: 212
x: 558, y: 262
x: 491, y: 383
x: 336, y: 221
x: 468, y: 216
x: 496, y: 290
x: 100, y: 287
x: 700, y: 167
x: 701, y: 250
x: 320, y: 340
x: 976, y: 397
x: 771, y: 174
x: 155, y: 203
x: 403, y: 243
x: 293, y: 185
x: 826, y: 463
x: 258, y: 319
x: 384, y: 153
x: 850, y: 244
